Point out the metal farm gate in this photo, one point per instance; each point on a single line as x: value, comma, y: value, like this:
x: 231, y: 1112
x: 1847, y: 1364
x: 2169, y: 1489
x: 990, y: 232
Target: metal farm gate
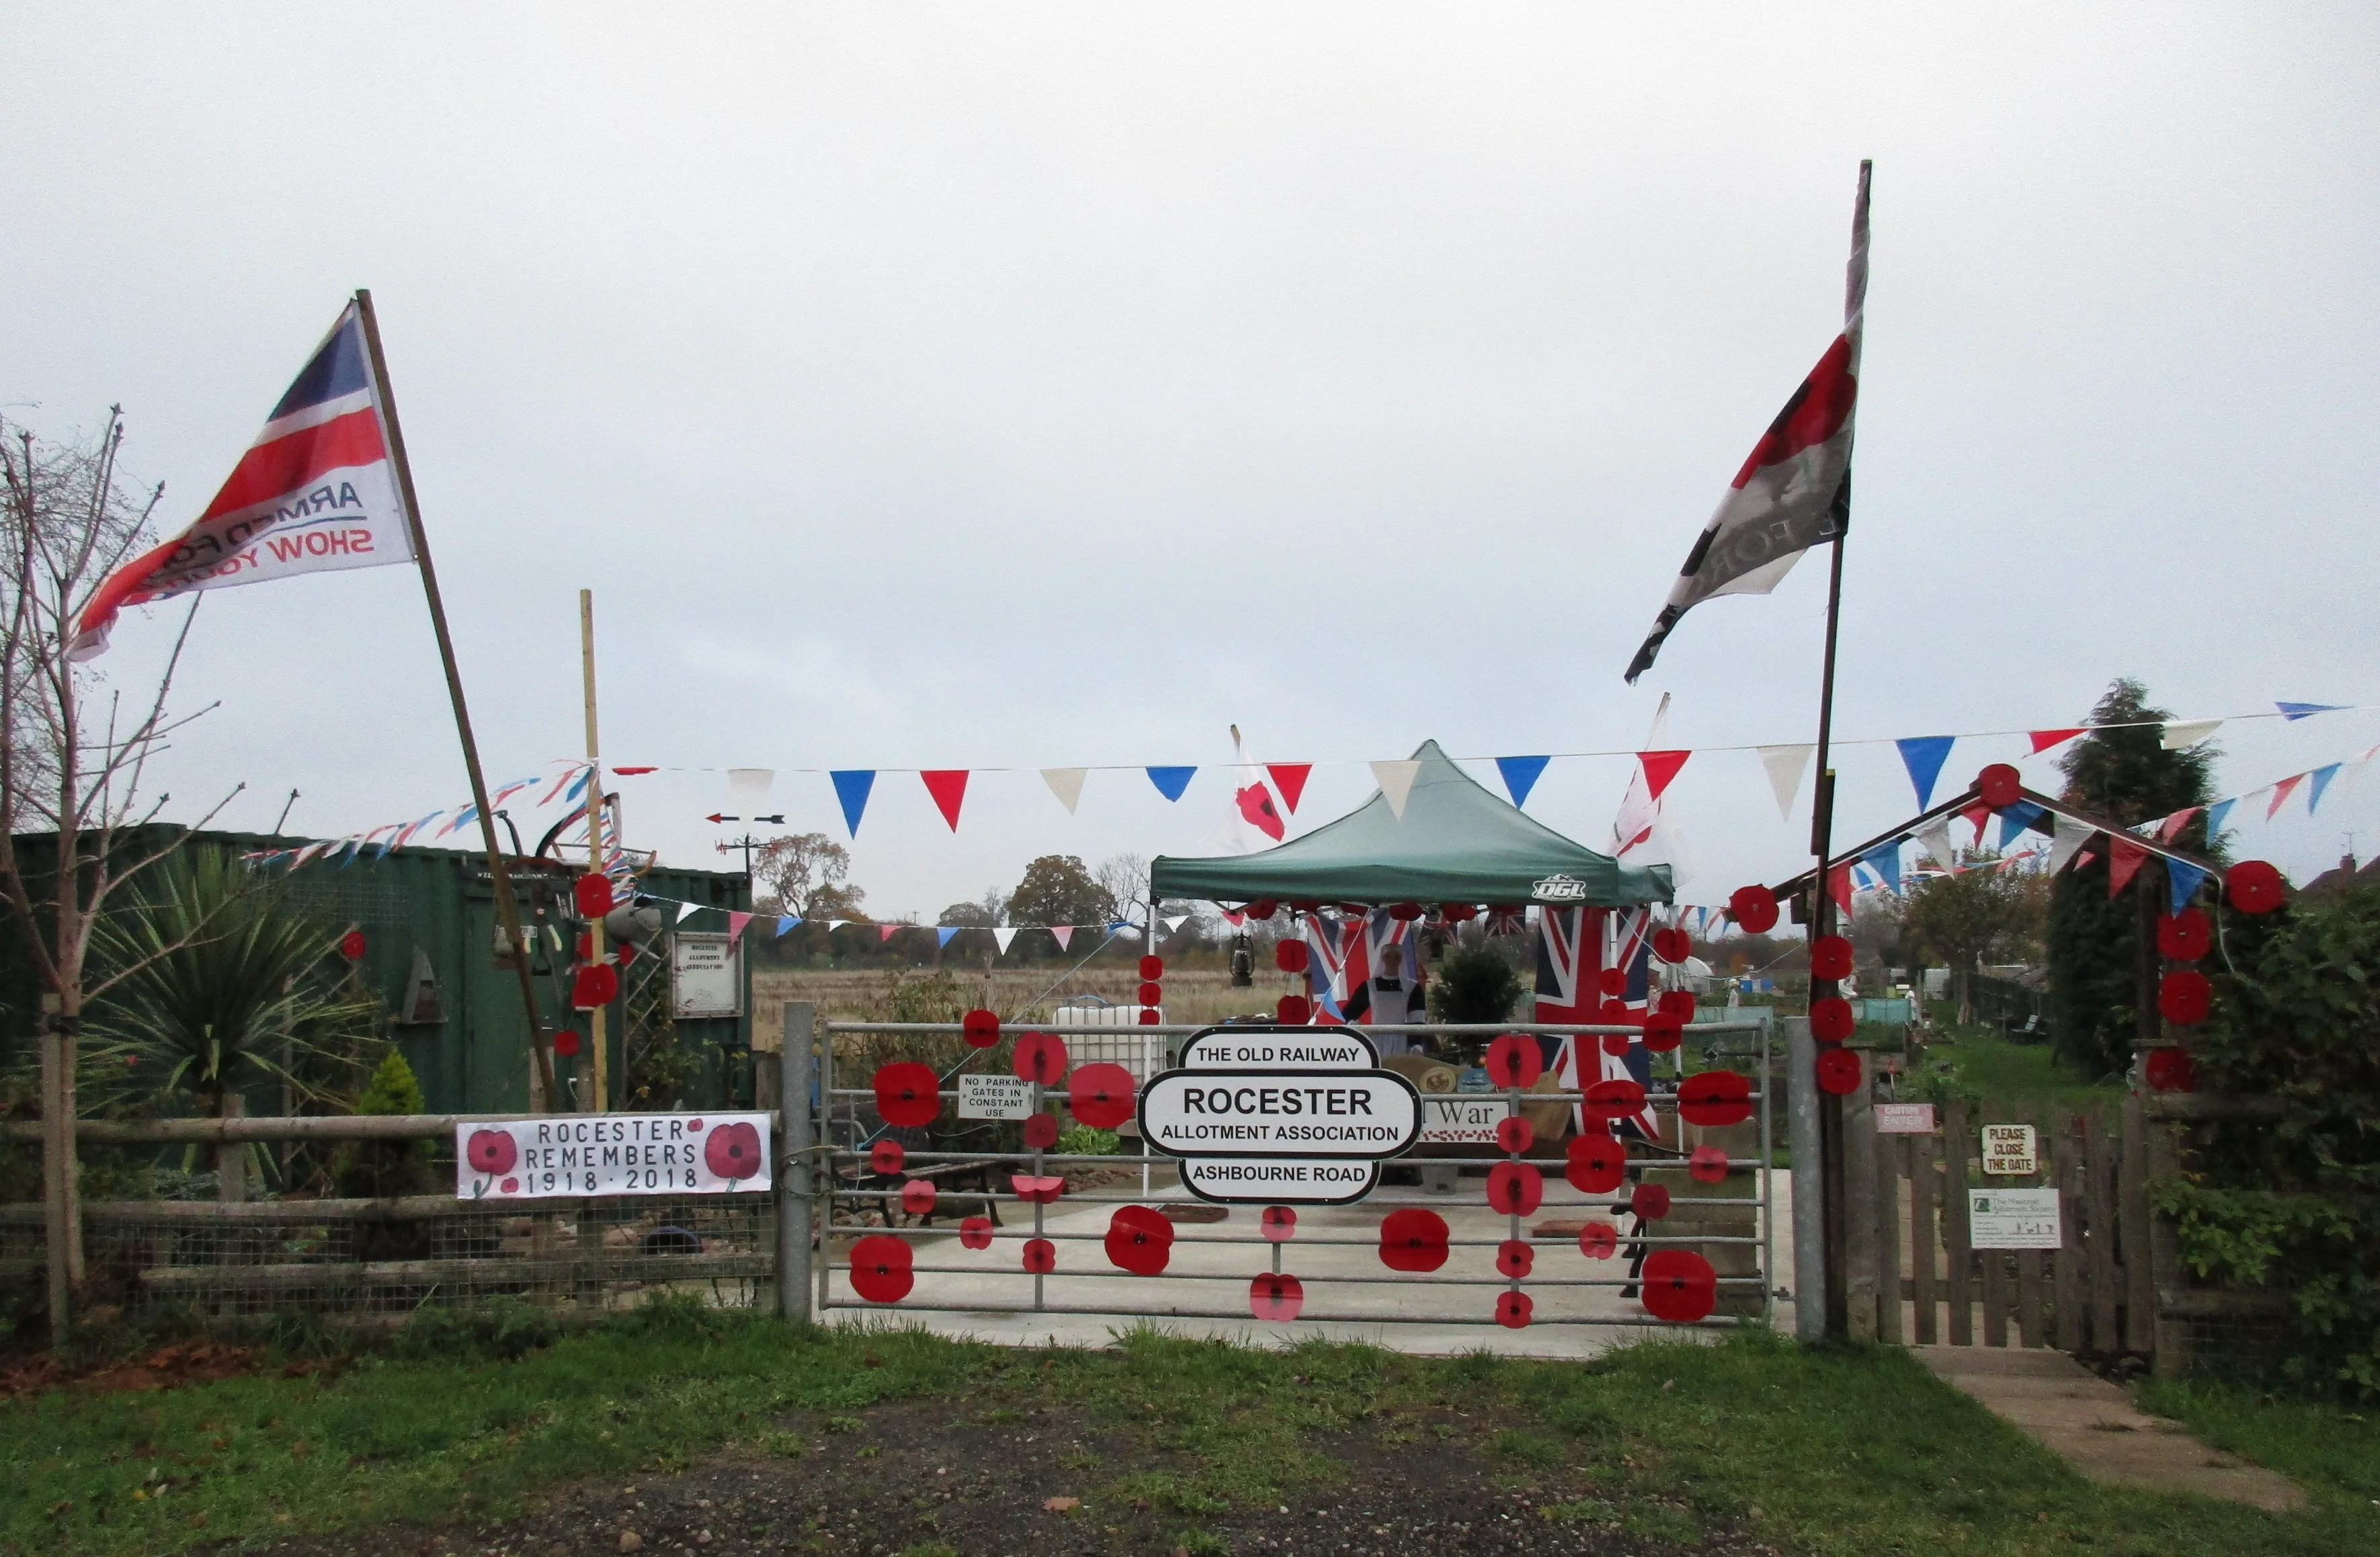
x: 1559, y: 1218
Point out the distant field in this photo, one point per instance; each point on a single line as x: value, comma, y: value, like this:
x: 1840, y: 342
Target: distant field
x: 1017, y: 995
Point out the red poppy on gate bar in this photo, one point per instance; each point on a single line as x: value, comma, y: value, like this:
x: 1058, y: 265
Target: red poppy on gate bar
x: 1514, y: 1189
x: 1040, y: 1057
x: 1292, y: 1010
x: 1614, y: 1013
x: 1596, y: 1163
x: 1041, y: 1256
x: 976, y: 1232
x: 1100, y: 1096
x: 1679, y: 1003
x: 1279, y: 1224
x: 886, y: 1156
x: 907, y: 1093
x: 1514, y: 1257
x: 1040, y: 1131
x: 1680, y: 1285
x: 1649, y: 1201
x: 1279, y: 1298
x: 733, y: 1151
x: 1616, y: 1043
x: 1140, y: 1240
x: 1715, y: 1097
x: 1413, y: 1239
x: 1599, y: 1240
x: 1612, y: 981
x: 881, y: 1268
x: 1616, y: 1097
x: 1152, y: 967
x: 917, y: 1197
x: 1663, y: 1031
x: 1289, y: 956
x: 1513, y: 1134
x: 980, y: 1028
x: 1038, y: 1188
x: 1515, y: 1059
x: 1708, y: 1165
x: 1514, y: 1310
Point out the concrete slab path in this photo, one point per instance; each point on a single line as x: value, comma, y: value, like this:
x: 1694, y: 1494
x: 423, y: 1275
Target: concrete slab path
x: 2094, y: 1426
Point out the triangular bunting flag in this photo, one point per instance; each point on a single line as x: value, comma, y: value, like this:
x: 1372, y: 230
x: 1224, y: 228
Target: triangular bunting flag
x: 886, y: 932
x: 2015, y: 820
x: 1838, y: 882
x: 1660, y: 767
x: 834, y: 924
x: 2321, y: 777
x: 2170, y: 828
x: 1936, y: 841
x: 851, y: 787
x: 2182, y: 882
x: 1066, y: 784
x: 1395, y: 780
x: 686, y: 909
x: 1170, y: 781
x: 2215, y: 816
x: 2124, y: 861
x: 1786, y: 765
x: 2281, y: 792
x: 1924, y: 757
x: 1289, y: 777
x: 1175, y: 923
x: 1521, y: 775
x: 2045, y: 739
x: 2067, y: 836
x: 948, y: 786
x: 785, y: 921
x: 943, y: 933
x: 735, y: 922
x: 2085, y: 858
x: 2188, y: 733
x: 1884, y: 859
x: 2296, y: 711
x: 1001, y: 937
x: 1979, y: 817
x: 1061, y: 934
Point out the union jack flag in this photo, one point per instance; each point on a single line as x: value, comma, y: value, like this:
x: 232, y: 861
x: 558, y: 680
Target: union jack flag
x: 1506, y: 920
x: 1574, y: 944
x: 1332, y: 945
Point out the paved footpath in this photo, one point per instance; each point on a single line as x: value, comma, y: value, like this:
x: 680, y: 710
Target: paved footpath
x: 2094, y: 1426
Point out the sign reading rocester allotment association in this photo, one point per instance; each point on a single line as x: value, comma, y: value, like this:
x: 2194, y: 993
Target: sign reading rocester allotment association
x: 612, y: 1154
x: 1264, y: 1115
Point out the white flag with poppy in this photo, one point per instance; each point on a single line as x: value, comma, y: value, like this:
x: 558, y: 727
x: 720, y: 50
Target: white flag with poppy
x: 1255, y: 816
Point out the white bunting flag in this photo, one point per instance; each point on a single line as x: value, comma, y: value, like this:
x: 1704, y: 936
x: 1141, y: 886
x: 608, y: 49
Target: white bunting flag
x: 684, y: 910
x: 1396, y: 780
x: 1936, y: 841
x: 2069, y: 835
x: 2189, y: 732
x: 1066, y: 784
x: 1001, y: 937
x: 1786, y: 765
x: 1177, y: 922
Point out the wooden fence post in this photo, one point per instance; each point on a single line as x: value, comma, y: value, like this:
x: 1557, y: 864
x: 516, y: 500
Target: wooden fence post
x: 2028, y: 1260
x: 2137, y: 1236
x: 1861, y: 1215
x: 2070, y: 1303
x: 1960, y: 1252
x: 1922, y: 1235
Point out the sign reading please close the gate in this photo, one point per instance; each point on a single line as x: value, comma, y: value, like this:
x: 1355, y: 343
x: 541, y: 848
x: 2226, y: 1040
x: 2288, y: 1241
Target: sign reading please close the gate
x: 612, y: 1154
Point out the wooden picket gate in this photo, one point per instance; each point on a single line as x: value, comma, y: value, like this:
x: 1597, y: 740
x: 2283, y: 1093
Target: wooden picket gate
x: 1915, y: 1277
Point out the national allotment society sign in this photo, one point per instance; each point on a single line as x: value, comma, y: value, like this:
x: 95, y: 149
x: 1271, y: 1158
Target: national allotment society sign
x: 1271, y: 1115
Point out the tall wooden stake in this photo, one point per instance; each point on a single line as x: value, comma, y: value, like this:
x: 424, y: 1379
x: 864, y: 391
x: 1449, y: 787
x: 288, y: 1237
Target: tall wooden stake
x: 508, y: 911
x: 602, y: 1101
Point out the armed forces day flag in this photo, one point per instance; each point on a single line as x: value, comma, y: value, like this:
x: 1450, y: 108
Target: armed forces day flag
x: 1794, y: 492
x: 316, y: 490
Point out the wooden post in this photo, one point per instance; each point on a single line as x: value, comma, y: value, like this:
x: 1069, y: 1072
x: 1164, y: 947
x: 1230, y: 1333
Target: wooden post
x: 2068, y: 1303
x: 602, y: 1100
x: 61, y: 1221
x: 507, y: 910
x: 1922, y: 1235
x: 1954, y: 1226
x: 2028, y: 1260
x: 2099, y: 1174
x: 1891, y: 1154
x: 2135, y: 1236
x: 231, y: 1158
x: 1862, y: 1216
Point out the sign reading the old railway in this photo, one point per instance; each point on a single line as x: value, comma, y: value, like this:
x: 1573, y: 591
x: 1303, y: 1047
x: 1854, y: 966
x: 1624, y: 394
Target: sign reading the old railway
x: 1266, y: 1116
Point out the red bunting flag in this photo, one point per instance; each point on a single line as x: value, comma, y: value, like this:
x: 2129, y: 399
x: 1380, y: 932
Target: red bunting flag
x: 1289, y: 777
x: 1659, y: 769
x: 2281, y: 792
x: 948, y: 786
x: 2170, y: 828
x: 2045, y: 739
x: 2124, y: 860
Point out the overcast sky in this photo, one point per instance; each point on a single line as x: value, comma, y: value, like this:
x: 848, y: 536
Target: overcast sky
x: 1016, y: 386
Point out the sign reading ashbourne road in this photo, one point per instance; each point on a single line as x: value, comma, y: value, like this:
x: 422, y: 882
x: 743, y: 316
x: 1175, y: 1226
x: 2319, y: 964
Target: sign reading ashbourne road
x: 1271, y: 1115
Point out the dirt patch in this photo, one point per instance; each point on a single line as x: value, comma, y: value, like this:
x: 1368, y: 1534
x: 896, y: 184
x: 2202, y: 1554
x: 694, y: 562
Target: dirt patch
x: 920, y: 1479
x: 185, y: 1362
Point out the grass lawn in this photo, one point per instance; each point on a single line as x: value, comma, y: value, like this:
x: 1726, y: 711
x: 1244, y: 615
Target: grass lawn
x: 1164, y: 1443
x: 2009, y: 1073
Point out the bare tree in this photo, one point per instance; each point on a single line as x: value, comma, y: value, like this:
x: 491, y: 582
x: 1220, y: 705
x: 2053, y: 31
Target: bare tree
x: 74, y: 752
x: 805, y: 874
x: 1126, y: 877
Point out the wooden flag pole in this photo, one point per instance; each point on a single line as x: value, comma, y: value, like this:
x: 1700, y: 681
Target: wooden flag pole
x: 602, y: 1101
x: 1822, y: 923
x: 508, y: 911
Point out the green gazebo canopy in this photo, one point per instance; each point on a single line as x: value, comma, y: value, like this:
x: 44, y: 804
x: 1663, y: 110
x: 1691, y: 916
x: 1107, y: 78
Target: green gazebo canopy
x: 1456, y: 843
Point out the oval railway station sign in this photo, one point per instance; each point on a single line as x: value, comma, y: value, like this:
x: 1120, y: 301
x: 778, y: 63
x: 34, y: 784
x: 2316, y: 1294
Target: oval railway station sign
x: 1267, y: 1116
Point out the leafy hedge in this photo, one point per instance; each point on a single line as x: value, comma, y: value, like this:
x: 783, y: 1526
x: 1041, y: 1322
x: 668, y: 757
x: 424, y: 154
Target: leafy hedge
x: 2293, y: 1204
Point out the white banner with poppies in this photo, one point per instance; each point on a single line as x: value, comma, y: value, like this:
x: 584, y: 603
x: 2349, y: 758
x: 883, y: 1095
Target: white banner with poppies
x: 612, y: 1154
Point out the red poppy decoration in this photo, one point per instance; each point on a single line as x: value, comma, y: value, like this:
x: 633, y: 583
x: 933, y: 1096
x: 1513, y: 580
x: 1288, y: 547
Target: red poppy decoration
x: 1594, y: 1162
x: 1413, y: 1239
x: 2184, y: 937
x: 882, y: 1268
x: 1152, y: 967
x: 1514, y: 1257
x: 1040, y: 1188
x: 1516, y: 1059
x: 352, y: 946
x: 1405, y: 912
x: 1708, y: 1164
x: 1830, y: 958
x: 980, y: 1028
x: 1151, y: 994
x: 1599, y: 1240
x: 2254, y: 886
x: 492, y: 1151
x: 907, y: 1093
x: 2172, y: 1070
x: 1513, y: 1309
x: 1289, y: 956
x: 1041, y: 1256
x: 1649, y: 1201
x: 1672, y: 944
x: 2183, y: 995
x: 1679, y: 1003
x: 1615, y: 1098
x: 1831, y: 1020
x: 1100, y: 1096
x: 976, y: 1232
x: 733, y: 1151
x: 1680, y: 1285
x: 1515, y: 1188
x: 592, y: 896
x: 1515, y: 1135
x: 1839, y: 1071
x: 1294, y: 1010
x: 1263, y: 908
x: 1999, y: 786
x: 886, y: 1156
x: 1754, y: 909
x: 1715, y: 1097
x: 1040, y: 1057
x: 1612, y: 981
x: 1140, y: 1240
x: 627, y: 952
x: 597, y: 984
x: 1277, y: 1297
x: 1149, y: 1016
x: 1458, y: 913
x: 566, y: 1044
x: 1279, y: 1224
x: 1615, y: 1013
x: 1663, y: 1031
x: 1040, y: 1131
x: 917, y: 1197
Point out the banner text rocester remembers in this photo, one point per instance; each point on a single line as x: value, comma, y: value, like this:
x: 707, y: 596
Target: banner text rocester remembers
x: 612, y: 1154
